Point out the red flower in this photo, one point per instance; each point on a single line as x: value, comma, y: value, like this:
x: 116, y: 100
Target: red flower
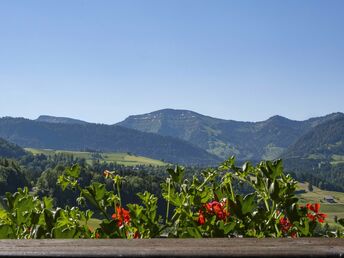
x: 213, y: 208
x: 217, y: 208
x: 121, y: 215
x: 285, y: 224
x: 201, y: 218
x: 314, y: 215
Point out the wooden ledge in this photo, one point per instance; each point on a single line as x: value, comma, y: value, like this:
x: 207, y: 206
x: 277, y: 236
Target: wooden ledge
x: 234, y: 247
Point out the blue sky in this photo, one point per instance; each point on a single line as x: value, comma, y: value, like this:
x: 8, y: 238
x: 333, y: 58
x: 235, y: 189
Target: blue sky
x: 101, y: 61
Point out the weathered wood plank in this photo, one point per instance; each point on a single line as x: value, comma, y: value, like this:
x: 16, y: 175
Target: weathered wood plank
x: 305, y: 247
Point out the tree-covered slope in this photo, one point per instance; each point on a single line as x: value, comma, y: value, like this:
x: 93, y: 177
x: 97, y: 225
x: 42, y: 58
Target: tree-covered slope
x: 322, y: 142
x: 11, y: 176
x: 10, y: 150
x: 246, y: 140
x: 28, y: 133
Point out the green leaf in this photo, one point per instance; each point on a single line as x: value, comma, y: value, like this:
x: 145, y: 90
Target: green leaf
x: 177, y: 174
x: 248, y: 204
x: 109, y: 227
x: 48, y: 202
x: 62, y: 182
x: 49, y: 219
x: 341, y: 222
x: 246, y: 167
x: 274, y: 190
x: 192, y: 232
x: 303, y: 227
x: 226, y: 227
x: 3, y: 215
x: 97, y: 190
x: 73, y: 172
x: 135, y: 210
x: 38, y: 232
x: 64, y: 233
x: 6, y: 231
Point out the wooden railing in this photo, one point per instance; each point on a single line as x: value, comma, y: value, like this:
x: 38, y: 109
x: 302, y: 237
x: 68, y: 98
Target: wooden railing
x: 234, y: 247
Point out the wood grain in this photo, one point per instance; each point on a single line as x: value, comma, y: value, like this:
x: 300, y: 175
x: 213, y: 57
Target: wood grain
x: 235, y: 247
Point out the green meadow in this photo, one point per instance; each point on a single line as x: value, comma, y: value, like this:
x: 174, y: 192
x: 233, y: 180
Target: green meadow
x: 337, y: 159
x: 125, y: 159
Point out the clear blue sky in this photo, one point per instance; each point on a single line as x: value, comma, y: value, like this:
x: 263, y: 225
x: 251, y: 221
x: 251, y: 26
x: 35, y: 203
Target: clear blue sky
x: 101, y: 61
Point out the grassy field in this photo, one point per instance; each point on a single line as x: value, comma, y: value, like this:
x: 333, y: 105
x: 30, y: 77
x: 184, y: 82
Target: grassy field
x: 125, y: 159
x: 317, y: 195
x: 337, y: 159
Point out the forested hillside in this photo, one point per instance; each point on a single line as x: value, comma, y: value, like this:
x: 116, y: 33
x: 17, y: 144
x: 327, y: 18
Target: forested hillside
x: 322, y: 142
x: 28, y: 133
x: 318, y: 156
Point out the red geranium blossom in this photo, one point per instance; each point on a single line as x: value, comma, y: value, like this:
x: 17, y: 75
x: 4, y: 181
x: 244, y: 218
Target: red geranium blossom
x: 285, y: 224
x: 121, y: 215
x: 217, y: 208
x: 315, y: 215
x: 201, y: 218
x: 213, y: 208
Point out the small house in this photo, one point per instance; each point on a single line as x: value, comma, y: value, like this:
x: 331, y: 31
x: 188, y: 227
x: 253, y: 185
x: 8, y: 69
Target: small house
x: 329, y: 199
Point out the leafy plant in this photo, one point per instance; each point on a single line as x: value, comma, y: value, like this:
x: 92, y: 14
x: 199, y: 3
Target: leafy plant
x: 205, y: 206
x: 28, y: 217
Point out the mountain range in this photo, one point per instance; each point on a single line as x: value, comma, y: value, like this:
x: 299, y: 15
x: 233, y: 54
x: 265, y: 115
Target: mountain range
x: 246, y: 140
x: 183, y: 136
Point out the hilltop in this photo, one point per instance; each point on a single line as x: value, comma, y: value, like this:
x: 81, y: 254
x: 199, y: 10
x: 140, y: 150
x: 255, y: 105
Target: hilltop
x: 59, y: 120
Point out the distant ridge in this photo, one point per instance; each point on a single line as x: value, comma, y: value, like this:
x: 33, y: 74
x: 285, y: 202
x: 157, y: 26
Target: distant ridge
x: 246, y: 140
x: 59, y: 120
x: 176, y: 136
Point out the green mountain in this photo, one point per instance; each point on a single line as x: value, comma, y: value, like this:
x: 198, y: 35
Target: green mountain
x: 246, y: 140
x: 178, y: 136
x: 106, y: 138
x: 324, y: 141
x: 10, y: 150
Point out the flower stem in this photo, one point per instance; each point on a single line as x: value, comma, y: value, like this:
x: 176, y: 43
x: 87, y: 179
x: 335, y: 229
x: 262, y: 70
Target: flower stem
x: 168, y: 199
x: 119, y: 193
